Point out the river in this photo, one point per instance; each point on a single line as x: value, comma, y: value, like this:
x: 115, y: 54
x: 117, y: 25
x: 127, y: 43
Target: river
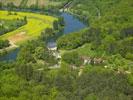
x: 72, y: 24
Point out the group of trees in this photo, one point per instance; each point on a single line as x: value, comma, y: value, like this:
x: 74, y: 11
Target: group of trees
x: 46, y: 34
x: 25, y: 81
x: 33, y: 51
x: 58, y: 25
x: 72, y: 58
x: 100, y: 41
x: 4, y: 44
x: 70, y: 41
x: 9, y: 5
x: 10, y: 25
x: 75, y: 40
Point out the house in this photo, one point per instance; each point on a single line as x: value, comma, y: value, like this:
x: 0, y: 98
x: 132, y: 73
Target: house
x: 87, y: 60
x: 90, y: 60
x: 52, y: 46
x: 56, y: 54
x: 98, y: 60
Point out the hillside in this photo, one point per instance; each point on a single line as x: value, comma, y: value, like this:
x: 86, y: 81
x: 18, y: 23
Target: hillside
x: 109, y: 26
x: 117, y: 12
x: 85, y: 52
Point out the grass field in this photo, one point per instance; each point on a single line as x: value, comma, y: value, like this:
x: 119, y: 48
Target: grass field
x: 85, y: 50
x: 36, y: 24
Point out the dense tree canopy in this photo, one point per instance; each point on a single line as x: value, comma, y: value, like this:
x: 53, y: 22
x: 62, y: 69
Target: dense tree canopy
x: 4, y: 43
x: 38, y: 75
x: 72, y: 58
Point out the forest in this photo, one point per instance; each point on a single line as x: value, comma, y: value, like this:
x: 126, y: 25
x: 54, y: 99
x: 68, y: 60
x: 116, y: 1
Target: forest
x: 93, y: 63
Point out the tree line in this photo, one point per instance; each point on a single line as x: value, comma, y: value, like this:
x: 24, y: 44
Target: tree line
x: 4, y: 44
x: 111, y: 43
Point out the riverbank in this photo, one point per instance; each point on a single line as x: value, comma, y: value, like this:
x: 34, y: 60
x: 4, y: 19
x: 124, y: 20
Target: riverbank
x: 7, y: 51
x: 12, y: 46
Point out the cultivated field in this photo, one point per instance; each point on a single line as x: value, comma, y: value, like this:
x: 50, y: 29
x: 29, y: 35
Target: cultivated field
x: 16, y: 2
x: 39, y: 3
x: 35, y: 24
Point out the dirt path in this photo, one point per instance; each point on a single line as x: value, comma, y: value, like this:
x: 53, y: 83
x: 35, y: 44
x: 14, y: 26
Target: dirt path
x: 12, y: 46
x: 15, y: 39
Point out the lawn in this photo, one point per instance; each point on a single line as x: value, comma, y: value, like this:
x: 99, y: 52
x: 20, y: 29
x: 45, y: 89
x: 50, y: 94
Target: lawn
x: 35, y: 24
x: 85, y: 50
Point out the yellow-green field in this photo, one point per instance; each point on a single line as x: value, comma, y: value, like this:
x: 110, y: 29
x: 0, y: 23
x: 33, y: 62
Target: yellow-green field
x: 36, y: 24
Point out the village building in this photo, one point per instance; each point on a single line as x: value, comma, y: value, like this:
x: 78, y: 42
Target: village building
x: 90, y: 60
